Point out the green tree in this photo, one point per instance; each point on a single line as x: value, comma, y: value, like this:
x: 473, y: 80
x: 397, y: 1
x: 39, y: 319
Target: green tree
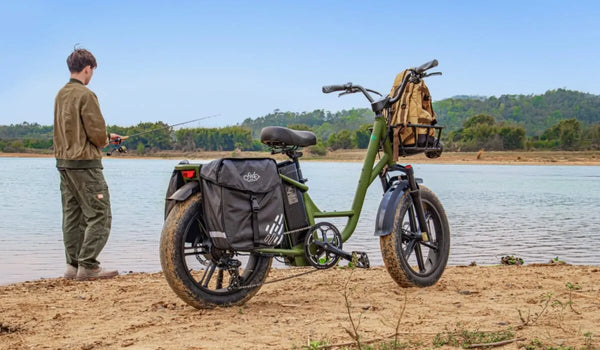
x: 567, y: 133
x: 513, y: 137
x: 318, y: 150
x: 591, y: 136
x: 482, y: 132
x: 140, y: 149
x: 362, y: 136
x: 303, y: 127
x: 341, y: 140
x: 478, y: 119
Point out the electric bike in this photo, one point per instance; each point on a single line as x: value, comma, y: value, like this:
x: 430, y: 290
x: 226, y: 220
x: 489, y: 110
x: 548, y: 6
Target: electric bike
x: 411, y: 223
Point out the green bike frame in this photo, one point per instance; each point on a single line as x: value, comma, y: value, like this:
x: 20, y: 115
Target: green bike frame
x: 370, y: 171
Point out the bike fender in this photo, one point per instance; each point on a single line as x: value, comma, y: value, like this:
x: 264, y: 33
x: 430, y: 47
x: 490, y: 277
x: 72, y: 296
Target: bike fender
x: 384, y: 224
x: 185, y: 191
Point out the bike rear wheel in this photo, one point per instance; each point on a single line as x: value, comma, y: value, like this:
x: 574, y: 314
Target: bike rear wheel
x: 200, y: 275
x: 410, y: 260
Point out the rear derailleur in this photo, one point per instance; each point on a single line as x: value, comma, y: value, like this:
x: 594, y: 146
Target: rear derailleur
x: 232, y: 266
x: 323, y: 248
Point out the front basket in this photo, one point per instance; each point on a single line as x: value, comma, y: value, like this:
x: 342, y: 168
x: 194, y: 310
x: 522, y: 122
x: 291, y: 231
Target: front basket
x: 431, y: 145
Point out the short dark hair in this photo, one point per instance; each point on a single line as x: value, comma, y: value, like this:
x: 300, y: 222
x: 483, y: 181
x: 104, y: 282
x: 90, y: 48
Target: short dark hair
x: 79, y: 59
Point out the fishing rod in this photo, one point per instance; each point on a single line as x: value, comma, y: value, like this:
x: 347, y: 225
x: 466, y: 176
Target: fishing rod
x: 123, y: 149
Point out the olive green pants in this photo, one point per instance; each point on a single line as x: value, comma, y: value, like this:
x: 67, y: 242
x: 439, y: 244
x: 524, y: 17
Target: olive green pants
x: 86, y: 215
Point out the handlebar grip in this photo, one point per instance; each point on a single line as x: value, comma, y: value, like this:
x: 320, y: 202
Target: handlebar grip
x: 331, y: 88
x: 426, y: 66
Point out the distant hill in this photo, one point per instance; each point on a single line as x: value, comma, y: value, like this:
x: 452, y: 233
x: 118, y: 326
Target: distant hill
x: 547, y: 120
x: 323, y: 123
x: 469, y: 97
x: 535, y: 113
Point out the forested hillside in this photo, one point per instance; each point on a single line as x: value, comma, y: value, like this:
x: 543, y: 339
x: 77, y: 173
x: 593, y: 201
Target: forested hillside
x: 536, y: 113
x: 558, y: 119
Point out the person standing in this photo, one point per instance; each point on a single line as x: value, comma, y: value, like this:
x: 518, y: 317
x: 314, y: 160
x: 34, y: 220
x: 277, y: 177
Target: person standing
x: 79, y: 136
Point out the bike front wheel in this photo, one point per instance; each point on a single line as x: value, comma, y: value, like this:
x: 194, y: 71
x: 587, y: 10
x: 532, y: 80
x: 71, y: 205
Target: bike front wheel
x: 409, y: 259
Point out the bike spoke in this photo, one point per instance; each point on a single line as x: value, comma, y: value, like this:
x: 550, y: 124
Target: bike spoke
x: 194, y: 252
x: 409, y: 249
x: 430, y: 245
x: 208, y: 275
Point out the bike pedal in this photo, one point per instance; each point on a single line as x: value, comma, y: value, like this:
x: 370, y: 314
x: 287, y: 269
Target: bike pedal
x: 361, y: 259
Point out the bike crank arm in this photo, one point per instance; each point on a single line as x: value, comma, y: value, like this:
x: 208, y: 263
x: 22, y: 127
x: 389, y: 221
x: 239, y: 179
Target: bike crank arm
x: 360, y: 259
x: 415, y: 194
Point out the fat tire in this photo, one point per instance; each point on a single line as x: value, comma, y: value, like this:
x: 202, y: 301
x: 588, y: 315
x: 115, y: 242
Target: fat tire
x: 174, y: 267
x: 391, y: 244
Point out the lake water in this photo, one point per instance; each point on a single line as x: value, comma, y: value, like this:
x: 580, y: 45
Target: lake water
x: 535, y: 212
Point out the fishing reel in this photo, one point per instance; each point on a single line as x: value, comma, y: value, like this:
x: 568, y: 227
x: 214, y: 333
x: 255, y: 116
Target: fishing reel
x: 120, y: 149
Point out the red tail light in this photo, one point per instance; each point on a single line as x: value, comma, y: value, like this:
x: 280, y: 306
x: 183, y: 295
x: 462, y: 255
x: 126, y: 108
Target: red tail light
x: 188, y: 174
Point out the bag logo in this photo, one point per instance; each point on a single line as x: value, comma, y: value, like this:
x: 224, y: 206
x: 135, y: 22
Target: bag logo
x: 251, y: 177
x: 275, y: 231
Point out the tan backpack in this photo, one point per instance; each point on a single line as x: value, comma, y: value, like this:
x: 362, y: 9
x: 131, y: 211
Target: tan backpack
x: 413, y: 107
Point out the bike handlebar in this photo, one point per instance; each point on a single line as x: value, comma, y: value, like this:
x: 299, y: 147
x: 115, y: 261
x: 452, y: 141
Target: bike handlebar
x: 414, y: 75
x: 332, y: 88
x: 425, y: 66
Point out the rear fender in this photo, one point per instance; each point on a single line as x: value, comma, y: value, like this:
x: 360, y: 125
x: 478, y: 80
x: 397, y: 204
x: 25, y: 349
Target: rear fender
x: 182, y: 193
x: 185, y: 191
x: 384, y: 224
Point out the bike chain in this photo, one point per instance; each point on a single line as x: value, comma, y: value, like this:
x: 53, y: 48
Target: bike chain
x: 283, y: 278
x: 277, y: 280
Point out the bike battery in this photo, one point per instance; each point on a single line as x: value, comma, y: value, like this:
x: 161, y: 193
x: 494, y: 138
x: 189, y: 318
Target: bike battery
x: 295, y: 211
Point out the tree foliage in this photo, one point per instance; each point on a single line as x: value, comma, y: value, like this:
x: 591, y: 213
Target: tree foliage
x: 483, y: 132
x: 536, y: 113
x: 558, y: 119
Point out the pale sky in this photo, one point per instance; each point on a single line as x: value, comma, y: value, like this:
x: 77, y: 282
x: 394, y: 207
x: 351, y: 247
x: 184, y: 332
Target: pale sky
x: 180, y: 60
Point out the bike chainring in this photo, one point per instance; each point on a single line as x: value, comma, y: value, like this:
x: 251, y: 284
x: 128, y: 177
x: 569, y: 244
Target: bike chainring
x: 317, y: 240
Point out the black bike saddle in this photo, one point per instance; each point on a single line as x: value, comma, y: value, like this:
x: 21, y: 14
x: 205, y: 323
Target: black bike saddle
x: 280, y: 136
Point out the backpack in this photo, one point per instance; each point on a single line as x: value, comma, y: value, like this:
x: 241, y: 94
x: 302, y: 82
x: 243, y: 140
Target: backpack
x: 242, y: 203
x: 413, y: 107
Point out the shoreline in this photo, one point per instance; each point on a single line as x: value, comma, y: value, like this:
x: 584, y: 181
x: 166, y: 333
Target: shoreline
x: 586, y: 158
x: 140, y: 311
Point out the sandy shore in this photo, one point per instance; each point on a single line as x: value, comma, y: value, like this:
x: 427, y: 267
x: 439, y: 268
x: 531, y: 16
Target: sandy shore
x: 521, y: 157
x: 139, y: 311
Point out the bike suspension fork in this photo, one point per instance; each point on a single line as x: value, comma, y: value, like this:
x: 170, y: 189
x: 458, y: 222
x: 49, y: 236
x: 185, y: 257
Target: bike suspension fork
x: 415, y: 194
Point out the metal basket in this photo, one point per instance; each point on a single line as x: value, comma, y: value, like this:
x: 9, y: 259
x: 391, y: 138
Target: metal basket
x: 431, y: 145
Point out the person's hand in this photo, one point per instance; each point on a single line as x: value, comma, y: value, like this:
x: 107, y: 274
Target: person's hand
x: 115, y: 139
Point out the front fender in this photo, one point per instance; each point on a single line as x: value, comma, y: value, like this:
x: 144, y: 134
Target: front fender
x: 384, y: 224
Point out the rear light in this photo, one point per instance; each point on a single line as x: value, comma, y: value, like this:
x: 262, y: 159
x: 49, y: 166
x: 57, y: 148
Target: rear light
x: 188, y: 174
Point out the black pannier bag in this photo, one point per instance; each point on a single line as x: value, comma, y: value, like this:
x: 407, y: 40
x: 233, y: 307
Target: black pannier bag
x: 242, y: 201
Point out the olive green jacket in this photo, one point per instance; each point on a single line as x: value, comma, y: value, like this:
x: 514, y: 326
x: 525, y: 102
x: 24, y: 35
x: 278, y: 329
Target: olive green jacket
x: 79, y: 128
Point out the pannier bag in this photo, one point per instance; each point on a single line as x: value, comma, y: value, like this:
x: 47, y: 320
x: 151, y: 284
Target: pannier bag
x: 242, y: 203
x: 413, y: 107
